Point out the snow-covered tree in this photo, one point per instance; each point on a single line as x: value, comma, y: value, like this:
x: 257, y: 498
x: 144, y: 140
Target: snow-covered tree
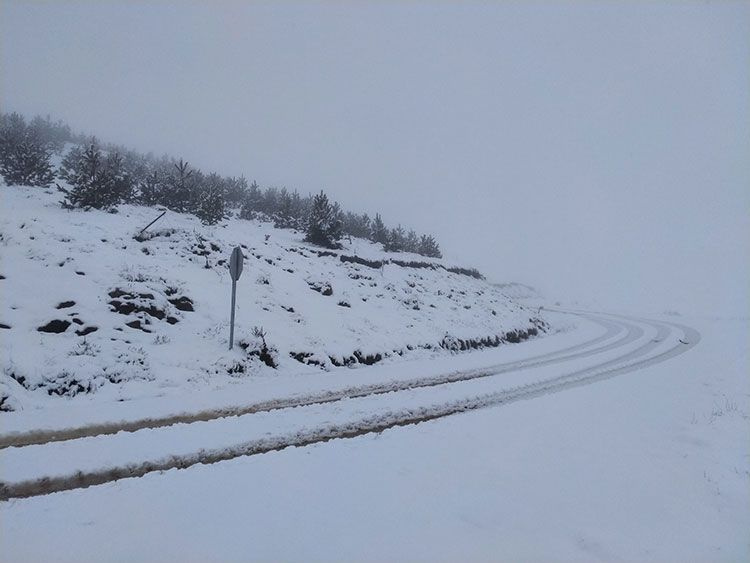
x: 27, y: 164
x: 120, y: 181
x: 396, y: 240
x: 181, y: 192
x: 411, y: 244
x: 429, y: 247
x: 235, y: 190
x: 252, y: 202
x: 324, y: 223
x: 53, y: 135
x: 379, y: 232
x: 104, y: 176
x: 270, y: 201
x: 289, y: 214
x: 211, y: 204
x: 96, y: 180
x: 151, y: 189
x: 357, y: 225
x: 24, y: 157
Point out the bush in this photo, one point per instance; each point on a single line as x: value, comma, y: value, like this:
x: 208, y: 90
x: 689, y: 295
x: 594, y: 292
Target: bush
x: 257, y: 346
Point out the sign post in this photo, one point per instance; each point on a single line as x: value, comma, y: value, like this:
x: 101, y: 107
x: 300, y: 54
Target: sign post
x: 235, y: 269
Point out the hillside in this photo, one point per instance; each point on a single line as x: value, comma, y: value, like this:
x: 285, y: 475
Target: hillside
x: 91, y: 309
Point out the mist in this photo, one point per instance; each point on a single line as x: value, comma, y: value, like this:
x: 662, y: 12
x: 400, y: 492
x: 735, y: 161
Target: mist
x: 598, y: 151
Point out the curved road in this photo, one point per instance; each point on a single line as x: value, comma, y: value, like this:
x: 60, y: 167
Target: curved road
x: 581, y: 350
x: 625, y: 346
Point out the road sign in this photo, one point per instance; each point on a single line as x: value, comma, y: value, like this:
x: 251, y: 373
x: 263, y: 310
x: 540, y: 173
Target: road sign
x: 235, y: 270
x: 235, y: 263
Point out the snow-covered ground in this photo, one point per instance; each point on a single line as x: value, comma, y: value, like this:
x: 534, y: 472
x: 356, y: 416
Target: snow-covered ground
x: 624, y: 439
x: 601, y: 437
x: 91, y: 311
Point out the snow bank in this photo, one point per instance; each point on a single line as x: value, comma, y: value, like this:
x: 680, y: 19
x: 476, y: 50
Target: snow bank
x: 91, y: 306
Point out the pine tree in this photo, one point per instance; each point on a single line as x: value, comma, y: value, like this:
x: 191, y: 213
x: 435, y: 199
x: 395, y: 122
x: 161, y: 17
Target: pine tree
x: 356, y: 225
x: 27, y: 164
x: 135, y: 165
x: 428, y: 246
x: 283, y: 216
x: 379, y: 230
x: 349, y: 224
x: 324, y: 223
x: 251, y: 203
x: 181, y: 193
x: 52, y: 136
x: 118, y: 178
x: 396, y: 240
x: 411, y: 244
x: 235, y: 190
x: 96, y: 181
x: 298, y: 213
x: 24, y: 157
x: 335, y: 226
x: 270, y: 202
x: 363, y: 226
x: 13, y: 130
x: 211, y: 204
x: 151, y: 189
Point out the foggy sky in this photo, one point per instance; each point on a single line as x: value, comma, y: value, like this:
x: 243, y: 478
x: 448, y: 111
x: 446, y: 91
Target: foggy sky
x: 597, y: 150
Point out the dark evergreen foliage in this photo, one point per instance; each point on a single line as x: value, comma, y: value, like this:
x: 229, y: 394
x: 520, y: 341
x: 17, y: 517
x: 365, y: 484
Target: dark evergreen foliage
x: 150, y: 189
x: 210, y: 206
x: 105, y: 176
x: 324, y: 222
x: 379, y: 232
x: 287, y: 215
x: 428, y: 246
x: 181, y: 194
x: 24, y: 155
x: 357, y: 225
x: 234, y: 191
x: 396, y: 240
x: 251, y: 202
x: 52, y: 136
x: 411, y: 243
x: 97, y: 181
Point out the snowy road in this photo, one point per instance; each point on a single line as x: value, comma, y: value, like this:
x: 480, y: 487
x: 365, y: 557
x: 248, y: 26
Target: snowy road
x: 42, y: 462
x: 584, y: 349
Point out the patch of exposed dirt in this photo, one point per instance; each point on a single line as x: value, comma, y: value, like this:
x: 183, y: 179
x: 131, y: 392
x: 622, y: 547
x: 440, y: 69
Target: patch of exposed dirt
x: 183, y: 303
x: 55, y: 326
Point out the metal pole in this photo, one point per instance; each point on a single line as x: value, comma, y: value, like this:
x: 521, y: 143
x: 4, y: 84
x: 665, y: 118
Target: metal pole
x: 231, y: 322
x: 152, y: 222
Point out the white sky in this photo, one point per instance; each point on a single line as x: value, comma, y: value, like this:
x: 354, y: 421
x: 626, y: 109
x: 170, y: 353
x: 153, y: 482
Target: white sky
x: 594, y: 149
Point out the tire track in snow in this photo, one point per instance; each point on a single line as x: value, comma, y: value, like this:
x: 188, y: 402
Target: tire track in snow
x: 631, y: 361
x: 39, y: 437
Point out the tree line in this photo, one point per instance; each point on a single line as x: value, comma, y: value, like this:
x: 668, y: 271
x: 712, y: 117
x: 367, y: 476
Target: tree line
x: 102, y: 176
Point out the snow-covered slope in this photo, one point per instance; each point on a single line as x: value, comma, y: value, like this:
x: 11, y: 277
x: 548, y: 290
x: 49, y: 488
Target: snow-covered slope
x: 89, y: 306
